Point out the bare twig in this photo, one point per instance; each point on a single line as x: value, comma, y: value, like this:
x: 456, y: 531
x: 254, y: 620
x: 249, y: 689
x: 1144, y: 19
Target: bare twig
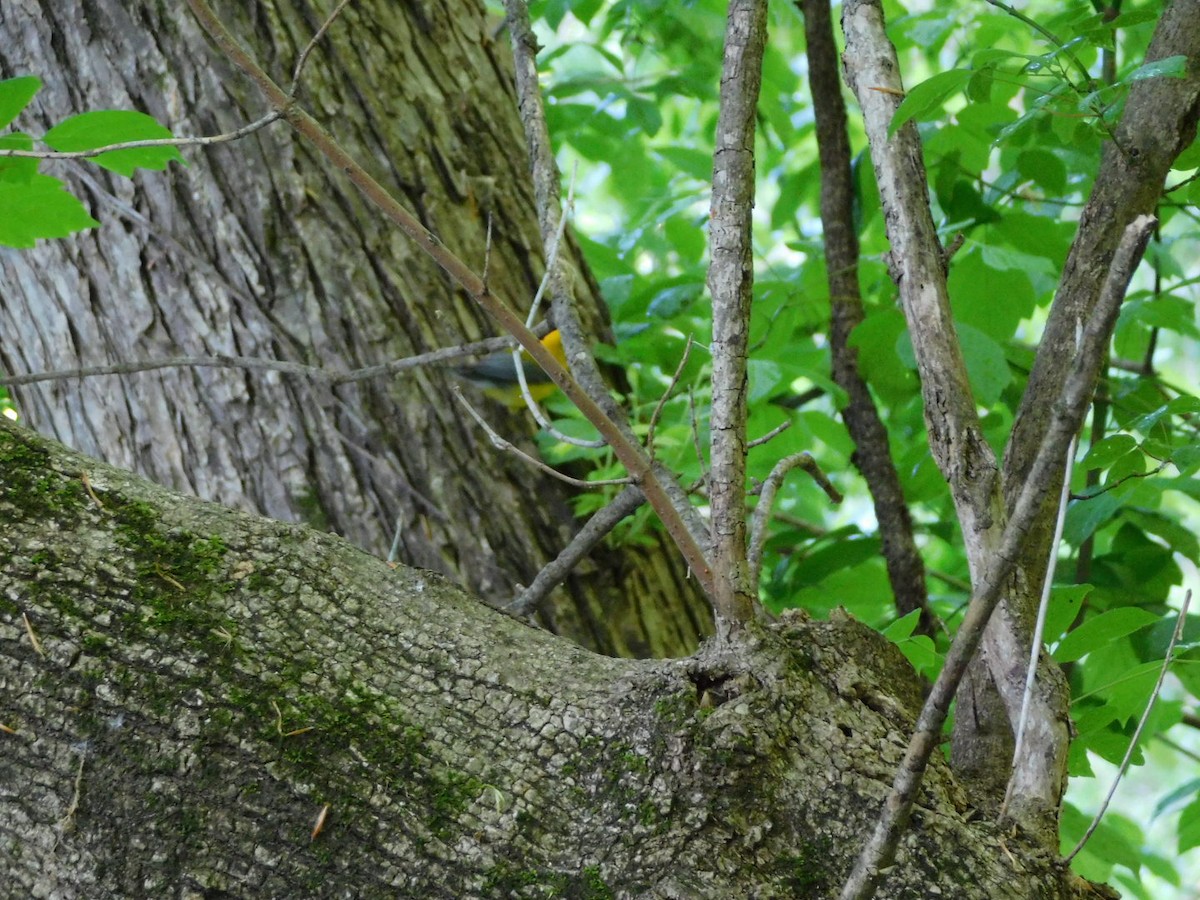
x: 1052, y: 38
x: 302, y: 59
x: 554, y: 245
x: 501, y: 444
x: 730, y: 281
x: 1069, y: 411
x: 532, y: 405
x: 1113, y: 485
x: 1137, y: 732
x: 67, y: 821
x: 203, y: 141
x: 551, y: 222
x: 956, y: 437
x: 766, y: 499
x: 315, y: 373
x: 87, y: 486
x: 487, y: 256
x: 394, y: 549
x: 773, y: 433
x: 589, y: 536
x: 697, y: 444
x: 319, y: 825
x: 33, y: 638
x: 951, y: 248
x: 662, y: 401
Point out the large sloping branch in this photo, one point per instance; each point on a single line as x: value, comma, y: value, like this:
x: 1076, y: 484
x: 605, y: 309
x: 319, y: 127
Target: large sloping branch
x: 199, y: 701
x: 1158, y: 123
x: 906, y: 570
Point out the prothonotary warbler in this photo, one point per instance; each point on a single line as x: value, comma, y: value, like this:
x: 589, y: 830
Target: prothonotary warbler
x: 497, y: 375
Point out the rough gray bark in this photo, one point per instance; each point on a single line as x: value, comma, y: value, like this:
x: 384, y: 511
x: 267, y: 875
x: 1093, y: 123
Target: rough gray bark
x: 256, y: 249
x: 206, y: 682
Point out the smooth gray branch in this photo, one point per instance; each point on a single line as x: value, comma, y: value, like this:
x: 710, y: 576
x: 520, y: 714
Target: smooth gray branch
x: 880, y: 849
x: 731, y: 282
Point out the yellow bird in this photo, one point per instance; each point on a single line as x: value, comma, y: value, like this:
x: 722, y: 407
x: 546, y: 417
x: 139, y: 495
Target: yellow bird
x: 496, y: 375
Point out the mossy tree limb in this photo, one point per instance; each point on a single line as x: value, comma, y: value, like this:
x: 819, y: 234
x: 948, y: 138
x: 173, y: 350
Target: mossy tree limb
x: 211, y: 681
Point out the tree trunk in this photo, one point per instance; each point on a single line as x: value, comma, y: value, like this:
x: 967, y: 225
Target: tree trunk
x: 256, y: 249
x: 202, y: 703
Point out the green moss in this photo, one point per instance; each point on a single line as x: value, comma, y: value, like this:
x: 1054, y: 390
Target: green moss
x: 632, y: 761
x: 594, y: 886
x: 504, y: 880
x: 677, y: 709
x: 805, y: 874
x: 648, y: 814
x: 25, y: 471
x: 507, y: 880
x: 177, y: 600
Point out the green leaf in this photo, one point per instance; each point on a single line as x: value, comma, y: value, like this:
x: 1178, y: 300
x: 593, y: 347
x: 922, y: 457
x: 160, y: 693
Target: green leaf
x: 1180, y: 406
x: 585, y: 10
x: 696, y: 163
x: 15, y: 94
x: 876, y: 339
x: 1189, y: 827
x: 90, y: 130
x: 670, y: 301
x: 1065, y: 602
x: 920, y: 651
x: 1008, y: 258
x: 1169, y: 67
x: 927, y: 97
x: 1165, y: 311
x: 1108, y: 451
x: 765, y: 378
x: 1044, y: 168
x: 903, y: 627
x: 37, y: 209
x: 1102, y: 629
x: 19, y: 169
x: 992, y: 300
x: 987, y: 367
